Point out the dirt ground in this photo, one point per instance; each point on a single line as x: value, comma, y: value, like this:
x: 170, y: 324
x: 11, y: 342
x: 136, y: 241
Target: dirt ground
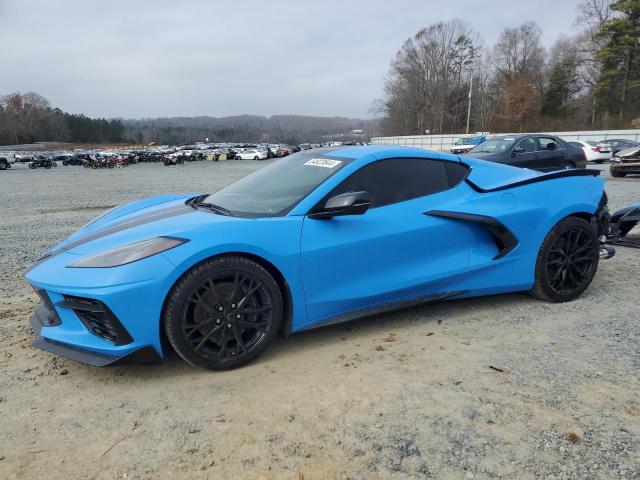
x: 500, y: 387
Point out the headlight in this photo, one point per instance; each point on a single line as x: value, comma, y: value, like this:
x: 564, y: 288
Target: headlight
x: 129, y: 253
x: 616, y: 159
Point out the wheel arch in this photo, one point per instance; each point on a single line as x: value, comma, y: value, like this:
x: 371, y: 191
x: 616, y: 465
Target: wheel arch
x: 283, y: 285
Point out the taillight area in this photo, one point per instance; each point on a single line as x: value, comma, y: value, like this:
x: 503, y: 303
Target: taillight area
x: 596, y: 149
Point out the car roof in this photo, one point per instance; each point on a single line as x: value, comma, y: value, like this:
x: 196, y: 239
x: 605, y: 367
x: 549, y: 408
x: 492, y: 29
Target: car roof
x: 380, y: 152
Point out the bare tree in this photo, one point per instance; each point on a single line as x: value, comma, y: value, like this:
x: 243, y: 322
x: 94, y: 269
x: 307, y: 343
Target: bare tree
x: 428, y: 79
x: 518, y: 52
x: 23, y: 112
x: 593, y: 15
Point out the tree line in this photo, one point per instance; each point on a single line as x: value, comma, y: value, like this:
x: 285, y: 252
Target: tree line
x: 29, y: 117
x: 587, y: 81
x: 289, y: 129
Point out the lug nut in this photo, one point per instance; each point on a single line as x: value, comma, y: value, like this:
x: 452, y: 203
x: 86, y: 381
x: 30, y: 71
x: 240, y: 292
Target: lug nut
x: 238, y: 316
x: 228, y: 325
x: 218, y: 321
x: 221, y: 308
x: 233, y: 305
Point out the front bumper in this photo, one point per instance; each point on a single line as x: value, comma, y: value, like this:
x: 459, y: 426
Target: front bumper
x: 100, y: 316
x: 631, y: 167
x: 38, y: 320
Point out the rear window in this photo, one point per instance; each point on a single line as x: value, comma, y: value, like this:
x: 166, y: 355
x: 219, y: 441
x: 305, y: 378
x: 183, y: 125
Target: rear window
x: 455, y: 172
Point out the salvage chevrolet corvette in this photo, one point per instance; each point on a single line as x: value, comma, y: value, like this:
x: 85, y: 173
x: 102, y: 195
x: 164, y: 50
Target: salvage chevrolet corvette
x: 320, y: 237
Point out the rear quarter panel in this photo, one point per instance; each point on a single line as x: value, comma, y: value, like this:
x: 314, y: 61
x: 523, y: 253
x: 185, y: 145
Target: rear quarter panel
x: 530, y: 212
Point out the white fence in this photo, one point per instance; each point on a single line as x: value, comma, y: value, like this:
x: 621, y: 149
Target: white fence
x: 445, y: 142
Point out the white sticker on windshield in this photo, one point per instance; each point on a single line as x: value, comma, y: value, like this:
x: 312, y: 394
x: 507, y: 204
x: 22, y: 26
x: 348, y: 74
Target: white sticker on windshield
x: 323, y: 162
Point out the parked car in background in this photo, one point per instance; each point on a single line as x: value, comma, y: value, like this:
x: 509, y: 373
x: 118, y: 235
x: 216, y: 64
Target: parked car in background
x: 538, y: 152
x: 594, y: 151
x: 626, y: 162
x: 252, y: 154
x: 619, y: 144
x: 24, y: 158
x: 4, y: 163
x: 464, y: 144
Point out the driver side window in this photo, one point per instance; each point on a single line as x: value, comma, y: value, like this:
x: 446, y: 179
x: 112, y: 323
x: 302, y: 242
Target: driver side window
x: 528, y: 144
x: 396, y: 180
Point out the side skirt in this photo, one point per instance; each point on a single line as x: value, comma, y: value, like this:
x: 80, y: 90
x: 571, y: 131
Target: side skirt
x: 383, y: 308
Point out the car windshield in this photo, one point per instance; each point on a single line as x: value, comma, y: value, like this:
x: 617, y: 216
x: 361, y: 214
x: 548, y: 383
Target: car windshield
x: 277, y: 188
x: 465, y: 141
x: 494, y: 145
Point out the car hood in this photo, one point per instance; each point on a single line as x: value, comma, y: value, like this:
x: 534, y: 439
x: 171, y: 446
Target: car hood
x: 629, y: 152
x: 165, y: 215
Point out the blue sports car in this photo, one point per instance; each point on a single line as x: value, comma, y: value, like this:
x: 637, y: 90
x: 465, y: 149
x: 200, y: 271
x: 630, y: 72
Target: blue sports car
x: 319, y: 237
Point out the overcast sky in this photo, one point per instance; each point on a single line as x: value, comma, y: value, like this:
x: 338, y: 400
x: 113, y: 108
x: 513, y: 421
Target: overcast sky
x: 139, y: 58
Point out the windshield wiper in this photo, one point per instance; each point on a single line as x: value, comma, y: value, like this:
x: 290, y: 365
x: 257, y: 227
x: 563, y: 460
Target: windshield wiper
x: 197, y: 202
x: 216, y: 208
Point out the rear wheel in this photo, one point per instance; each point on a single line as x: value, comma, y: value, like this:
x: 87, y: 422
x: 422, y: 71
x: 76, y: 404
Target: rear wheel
x: 567, y: 261
x: 223, y: 313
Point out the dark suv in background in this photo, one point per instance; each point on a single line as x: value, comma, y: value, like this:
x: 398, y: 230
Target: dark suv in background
x: 537, y: 152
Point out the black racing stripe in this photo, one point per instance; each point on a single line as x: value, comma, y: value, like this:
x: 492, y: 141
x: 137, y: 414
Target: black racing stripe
x: 135, y: 222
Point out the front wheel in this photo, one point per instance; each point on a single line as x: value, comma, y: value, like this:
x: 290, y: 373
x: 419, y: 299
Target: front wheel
x: 223, y: 313
x: 615, y: 172
x: 567, y: 261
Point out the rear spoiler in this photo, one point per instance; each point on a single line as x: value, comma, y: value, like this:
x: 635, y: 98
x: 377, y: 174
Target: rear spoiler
x: 582, y: 172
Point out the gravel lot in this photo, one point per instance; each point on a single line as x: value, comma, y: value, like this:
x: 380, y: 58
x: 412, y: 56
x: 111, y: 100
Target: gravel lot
x: 402, y: 396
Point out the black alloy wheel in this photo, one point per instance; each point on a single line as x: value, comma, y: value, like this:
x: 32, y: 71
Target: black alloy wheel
x: 223, y: 313
x: 567, y: 261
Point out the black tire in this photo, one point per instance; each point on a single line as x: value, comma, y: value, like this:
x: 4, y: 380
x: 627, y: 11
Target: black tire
x: 32, y: 165
x: 615, y: 173
x: 567, y: 261
x: 256, y: 158
x: 4, y: 165
x: 223, y: 313
x: 64, y: 163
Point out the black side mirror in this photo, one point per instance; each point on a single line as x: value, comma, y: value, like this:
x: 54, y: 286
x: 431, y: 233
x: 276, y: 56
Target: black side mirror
x: 350, y: 203
x: 516, y: 151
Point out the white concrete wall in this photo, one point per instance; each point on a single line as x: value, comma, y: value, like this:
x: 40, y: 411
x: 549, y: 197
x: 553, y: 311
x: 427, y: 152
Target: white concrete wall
x: 445, y: 142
